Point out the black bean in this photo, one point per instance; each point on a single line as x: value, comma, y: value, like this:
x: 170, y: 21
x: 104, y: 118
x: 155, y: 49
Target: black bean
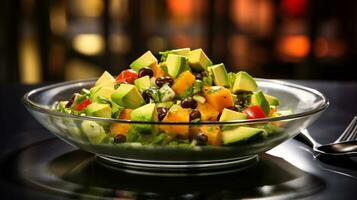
x: 198, y: 76
x: 189, y: 102
x: 161, y: 112
x: 201, y: 139
x: 240, y: 100
x: 195, y: 114
x: 70, y: 102
x: 146, y: 96
x: 145, y: 72
x: 232, y: 108
x: 164, y: 80
x: 120, y: 138
x: 219, y: 116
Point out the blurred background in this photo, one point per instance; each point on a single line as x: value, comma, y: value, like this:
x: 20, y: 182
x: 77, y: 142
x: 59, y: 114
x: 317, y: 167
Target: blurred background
x: 56, y: 40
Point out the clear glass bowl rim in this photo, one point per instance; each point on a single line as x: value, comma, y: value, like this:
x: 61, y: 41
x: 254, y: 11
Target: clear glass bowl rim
x: 39, y: 108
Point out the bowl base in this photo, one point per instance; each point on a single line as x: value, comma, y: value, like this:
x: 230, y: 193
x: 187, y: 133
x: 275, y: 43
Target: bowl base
x: 179, y: 168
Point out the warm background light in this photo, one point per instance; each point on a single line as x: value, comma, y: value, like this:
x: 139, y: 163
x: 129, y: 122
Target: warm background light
x: 30, y: 71
x: 89, y: 44
x: 293, y: 46
x: 64, y: 40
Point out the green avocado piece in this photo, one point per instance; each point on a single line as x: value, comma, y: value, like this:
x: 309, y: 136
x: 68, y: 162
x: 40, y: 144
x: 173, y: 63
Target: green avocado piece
x: 142, y: 83
x: 147, y: 113
x: 166, y: 93
x: 176, y: 64
x: 166, y: 104
x: 128, y: 96
x: 259, y: 99
x: 220, y: 76
x: 97, y: 91
x: 198, y: 60
x: 183, y: 52
x: 273, y: 101
x: 228, y: 115
x: 244, y: 82
x: 99, y: 110
x: 72, y: 128
x: 106, y: 79
x: 239, y: 133
x: 61, y: 105
x: 146, y: 60
x: 93, y: 131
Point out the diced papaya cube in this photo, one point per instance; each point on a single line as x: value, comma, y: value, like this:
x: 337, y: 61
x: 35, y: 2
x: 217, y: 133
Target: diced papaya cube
x: 121, y: 128
x: 125, y: 114
x: 176, y: 114
x: 158, y: 71
x: 184, y: 81
x: 208, y: 112
x: 218, y: 96
x: 272, y: 111
x: 213, y: 133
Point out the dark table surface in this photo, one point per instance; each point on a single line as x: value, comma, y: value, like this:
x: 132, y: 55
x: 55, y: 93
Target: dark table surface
x: 15, y: 120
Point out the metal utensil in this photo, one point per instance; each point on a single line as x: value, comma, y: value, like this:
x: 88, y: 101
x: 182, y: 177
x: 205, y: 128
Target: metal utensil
x: 345, y: 145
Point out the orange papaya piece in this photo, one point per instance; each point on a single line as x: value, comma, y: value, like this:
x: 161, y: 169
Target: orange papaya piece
x: 219, y: 97
x: 176, y: 114
x: 184, y: 81
x: 121, y: 128
x: 208, y: 112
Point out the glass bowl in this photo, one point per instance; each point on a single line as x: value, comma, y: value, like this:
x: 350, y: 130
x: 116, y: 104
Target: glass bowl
x: 306, y: 104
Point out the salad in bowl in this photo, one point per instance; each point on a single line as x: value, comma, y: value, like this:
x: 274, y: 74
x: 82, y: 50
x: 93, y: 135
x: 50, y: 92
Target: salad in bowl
x: 178, y: 108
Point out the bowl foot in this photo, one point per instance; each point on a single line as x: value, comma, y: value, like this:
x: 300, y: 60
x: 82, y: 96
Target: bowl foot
x: 179, y: 168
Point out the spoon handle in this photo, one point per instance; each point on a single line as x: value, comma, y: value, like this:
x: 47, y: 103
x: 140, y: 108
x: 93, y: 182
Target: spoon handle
x: 307, y: 139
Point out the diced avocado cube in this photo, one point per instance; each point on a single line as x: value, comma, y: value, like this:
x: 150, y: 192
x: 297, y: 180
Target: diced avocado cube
x: 166, y: 93
x: 106, y: 79
x: 61, y: 105
x: 146, y: 60
x: 198, y: 60
x: 146, y: 113
x: 273, y: 101
x: 259, y: 99
x: 97, y: 91
x: 244, y: 82
x: 128, y: 96
x: 176, y: 64
x: 99, y: 110
x: 72, y: 128
x: 220, y: 76
x: 94, y: 131
x: 239, y: 133
x: 228, y: 115
x: 183, y: 52
x: 142, y: 83
x: 166, y: 104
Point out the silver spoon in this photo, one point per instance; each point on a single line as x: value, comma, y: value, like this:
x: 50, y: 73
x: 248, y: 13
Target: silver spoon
x: 345, y: 145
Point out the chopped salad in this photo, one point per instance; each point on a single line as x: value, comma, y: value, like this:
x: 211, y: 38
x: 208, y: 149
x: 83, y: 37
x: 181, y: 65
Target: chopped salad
x: 183, y: 86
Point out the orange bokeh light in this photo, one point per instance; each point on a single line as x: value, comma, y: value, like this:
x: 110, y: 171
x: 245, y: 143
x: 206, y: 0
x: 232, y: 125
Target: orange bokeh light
x: 293, y: 46
x: 180, y: 8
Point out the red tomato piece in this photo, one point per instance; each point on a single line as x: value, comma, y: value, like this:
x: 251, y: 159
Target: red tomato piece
x: 254, y: 112
x: 82, y: 105
x: 127, y: 75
